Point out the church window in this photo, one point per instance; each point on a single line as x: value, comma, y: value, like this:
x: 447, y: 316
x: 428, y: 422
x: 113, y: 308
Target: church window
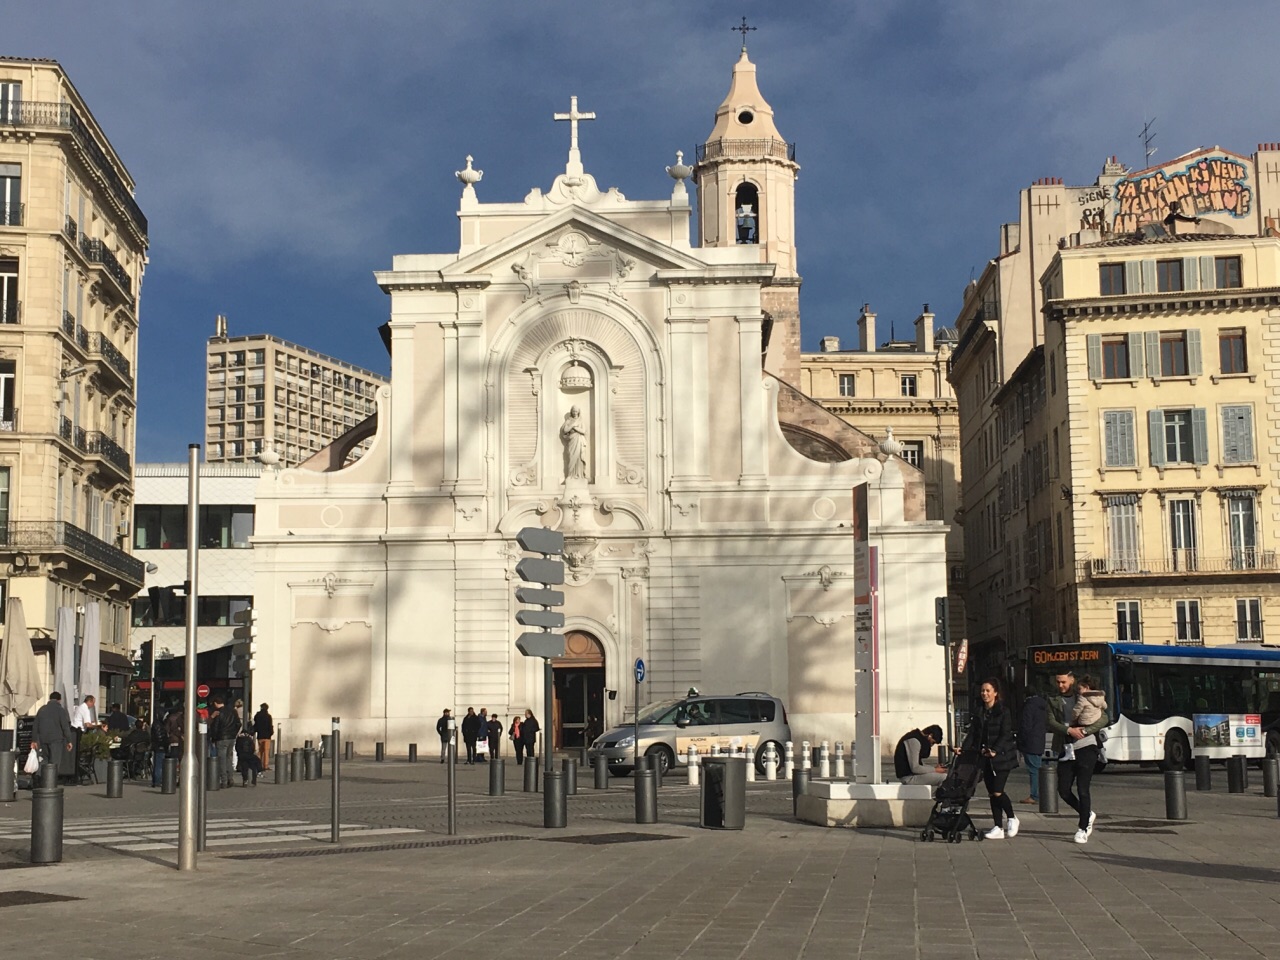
x: 907, y: 382
x: 913, y: 452
x: 745, y: 117
x: 846, y: 385
x: 746, y: 204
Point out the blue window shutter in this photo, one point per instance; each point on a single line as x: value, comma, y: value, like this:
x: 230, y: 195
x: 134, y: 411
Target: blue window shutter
x: 1153, y: 353
x: 1093, y: 346
x: 1208, y: 275
x: 1199, y: 435
x: 1190, y: 273
x: 1135, y: 356
x: 1237, y: 434
x: 1132, y: 276
x: 1148, y: 276
x: 1195, y: 366
x: 1155, y: 436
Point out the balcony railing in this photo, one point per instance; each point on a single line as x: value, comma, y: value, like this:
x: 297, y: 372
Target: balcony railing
x: 731, y: 149
x: 69, y: 324
x: 64, y: 428
x: 35, y: 113
x: 101, y: 445
x: 52, y: 536
x: 10, y: 311
x: 81, y: 439
x: 1185, y: 562
x: 115, y: 359
x: 96, y: 251
x: 9, y: 421
x: 69, y: 228
x: 11, y: 214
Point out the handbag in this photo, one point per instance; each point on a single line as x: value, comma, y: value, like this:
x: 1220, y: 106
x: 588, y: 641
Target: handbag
x: 32, y: 766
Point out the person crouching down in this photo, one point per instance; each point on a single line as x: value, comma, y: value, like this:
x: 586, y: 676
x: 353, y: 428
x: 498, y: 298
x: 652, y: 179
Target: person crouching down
x: 247, y: 761
x: 991, y: 737
x: 911, y: 754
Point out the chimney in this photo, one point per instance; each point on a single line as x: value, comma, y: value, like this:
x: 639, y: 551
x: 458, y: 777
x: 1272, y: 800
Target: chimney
x: 220, y: 327
x: 924, y: 331
x: 830, y: 345
x: 867, y: 329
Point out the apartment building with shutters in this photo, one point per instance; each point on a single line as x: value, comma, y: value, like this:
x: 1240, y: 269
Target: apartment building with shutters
x: 1168, y: 403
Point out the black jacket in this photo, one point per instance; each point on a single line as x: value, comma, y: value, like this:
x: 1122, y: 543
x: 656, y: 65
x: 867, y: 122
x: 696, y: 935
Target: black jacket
x: 225, y: 726
x: 528, y: 729
x: 993, y: 730
x: 1031, y: 728
x: 442, y: 728
x: 470, y: 727
x: 263, y: 728
x: 901, y: 763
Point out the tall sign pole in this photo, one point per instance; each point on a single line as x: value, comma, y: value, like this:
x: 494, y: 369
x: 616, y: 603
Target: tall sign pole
x: 189, y: 796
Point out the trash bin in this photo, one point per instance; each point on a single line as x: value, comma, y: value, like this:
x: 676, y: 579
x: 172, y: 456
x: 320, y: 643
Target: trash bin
x: 723, y: 793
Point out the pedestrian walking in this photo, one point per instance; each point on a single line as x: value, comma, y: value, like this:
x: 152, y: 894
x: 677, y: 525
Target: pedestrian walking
x: 442, y: 728
x: 494, y: 736
x: 991, y: 738
x: 470, y: 732
x: 516, y: 743
x: 52, y: 730
x: 529, y: 733
x: 1075, y: 718
x: 482, y: 736
x: 1031, y: 740
x: 264, y: 728
x: 224, y: 727
x: 159, y: 746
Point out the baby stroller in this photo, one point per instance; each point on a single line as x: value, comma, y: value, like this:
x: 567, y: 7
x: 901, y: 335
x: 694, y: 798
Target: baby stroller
x: 950, y: 815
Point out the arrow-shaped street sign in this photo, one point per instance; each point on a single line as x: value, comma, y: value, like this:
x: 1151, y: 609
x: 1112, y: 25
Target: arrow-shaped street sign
x: 545, y: 645
x: 539, y: 570
x: 552, y: 619
x: 540, y: 540
x: 540, y: 597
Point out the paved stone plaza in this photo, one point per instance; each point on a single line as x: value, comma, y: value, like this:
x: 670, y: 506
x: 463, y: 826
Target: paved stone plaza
x: 271, y: 885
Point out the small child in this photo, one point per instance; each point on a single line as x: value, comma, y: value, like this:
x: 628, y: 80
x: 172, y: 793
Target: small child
x: 1090, y: 703
x: 247, y: 761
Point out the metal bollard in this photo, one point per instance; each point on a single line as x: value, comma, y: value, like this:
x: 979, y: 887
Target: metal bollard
x: 169, y: 781
x: 554, y: 807
x: 379, y: 751
x: 824, y: 761
x: 281, y: 766
x: 335, y: 784
x: 1244, y: 768
x: 569, y: 770
x: 1049, y: 786
x: 1235, y: 774
x: 295, y: 764
x: 46, y: 825
x: 326, y: 745
x: 212, y: 781
x: 115, y: 779
x: 48, y: 776
x: 1204, y: 778
x: 1175, y: 795
x: 799, y: 784
x: 601, y: 768
x: 691, y: 765
x: 530, y: 776
x: 1270, y: 776
x: 750, y: 756
x: 655, y: 765
x: 806, y: 755
x: 584, y: 757
x: 646, y: 796
x: 839, y: 771
x: 788, y: 760
x: 307, y: 753
x: 348, y: 750
x: 770, y: 762
x: 537, y: 771
x: 315, y: 768
x: 8, y: 779
x: 413, y: 753
x: 497, y: 777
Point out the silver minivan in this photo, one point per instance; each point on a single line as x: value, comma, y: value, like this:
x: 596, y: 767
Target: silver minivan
x: 669, y: 727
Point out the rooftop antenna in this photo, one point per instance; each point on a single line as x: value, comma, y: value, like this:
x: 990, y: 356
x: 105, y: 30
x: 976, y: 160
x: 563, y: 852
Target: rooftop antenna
x: 1148, y: 137
x: 744, y: 30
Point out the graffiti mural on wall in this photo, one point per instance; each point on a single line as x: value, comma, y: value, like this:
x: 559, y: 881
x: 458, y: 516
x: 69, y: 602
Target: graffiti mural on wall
x: 1091, y: 202
x: 1210, y: 185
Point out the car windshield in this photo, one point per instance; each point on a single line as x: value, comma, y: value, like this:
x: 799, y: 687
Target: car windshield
x: 664, y: 711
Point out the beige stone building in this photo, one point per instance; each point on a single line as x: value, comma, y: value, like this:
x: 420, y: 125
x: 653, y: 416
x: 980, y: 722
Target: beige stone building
x: 264, y: 393
x: 72, y: 254
x: 1032, y: 486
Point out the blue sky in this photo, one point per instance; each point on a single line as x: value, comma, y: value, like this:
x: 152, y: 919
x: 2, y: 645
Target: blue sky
x: 284, y: 151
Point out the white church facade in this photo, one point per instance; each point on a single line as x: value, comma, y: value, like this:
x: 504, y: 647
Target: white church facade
x: 580, y: 363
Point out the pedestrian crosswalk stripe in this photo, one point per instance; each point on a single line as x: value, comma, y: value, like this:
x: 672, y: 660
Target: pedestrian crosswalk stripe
x: 122, y: 833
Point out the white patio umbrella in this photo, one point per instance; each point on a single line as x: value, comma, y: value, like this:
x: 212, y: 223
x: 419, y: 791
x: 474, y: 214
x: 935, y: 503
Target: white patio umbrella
x: 19, y: 673
x: 90, y: 651
x: 64, y: 656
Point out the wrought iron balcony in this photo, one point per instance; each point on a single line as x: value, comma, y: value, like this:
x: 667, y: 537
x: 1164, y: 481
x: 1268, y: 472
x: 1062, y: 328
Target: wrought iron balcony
x: 1185, y: 562
x: 726, y: 149
x: 9, y: 420
x: 11, y: 214
x: 100, y: 345
x: 10, y: 311
x: 35, y: 113
x: 101, y: 445
x: 96, y: 251
x: 69, y: 228
x: 57, y: 536
x: 81, y: 439
x: 69, y: 324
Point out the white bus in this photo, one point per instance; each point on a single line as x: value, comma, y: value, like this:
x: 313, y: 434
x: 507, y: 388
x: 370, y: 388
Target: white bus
x: 1170, y: 702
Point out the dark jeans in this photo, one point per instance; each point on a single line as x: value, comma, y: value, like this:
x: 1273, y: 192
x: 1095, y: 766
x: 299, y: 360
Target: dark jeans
x: 1032, y: 761
x: 1001, y: 805
x: 519, y: 745
x: 494, y: 742
x: 471, y: 749
x: 1078, y: 772
x: 225, y: 750
x: 157, y: 767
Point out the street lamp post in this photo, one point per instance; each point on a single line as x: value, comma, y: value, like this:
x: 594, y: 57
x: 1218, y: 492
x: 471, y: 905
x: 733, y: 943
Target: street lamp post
x: 191, y: 760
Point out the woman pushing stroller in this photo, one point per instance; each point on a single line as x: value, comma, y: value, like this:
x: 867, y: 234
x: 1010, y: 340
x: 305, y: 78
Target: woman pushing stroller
x: 991, y: 737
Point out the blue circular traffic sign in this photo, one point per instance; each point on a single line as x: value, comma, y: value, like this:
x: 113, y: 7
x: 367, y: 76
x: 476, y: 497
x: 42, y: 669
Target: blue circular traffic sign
x: 639, y: 670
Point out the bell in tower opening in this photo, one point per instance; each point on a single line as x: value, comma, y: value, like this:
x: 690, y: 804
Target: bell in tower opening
x: 746, y: 201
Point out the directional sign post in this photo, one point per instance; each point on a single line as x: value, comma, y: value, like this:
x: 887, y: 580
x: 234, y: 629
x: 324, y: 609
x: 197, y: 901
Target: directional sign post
x: 546, y: 571
x: 636, y: 718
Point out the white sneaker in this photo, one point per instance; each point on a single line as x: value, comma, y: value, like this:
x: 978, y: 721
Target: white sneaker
x: 1082, y: 836
x: 1011, y: 827
x: 995, y: 833
x: 1089, y: 829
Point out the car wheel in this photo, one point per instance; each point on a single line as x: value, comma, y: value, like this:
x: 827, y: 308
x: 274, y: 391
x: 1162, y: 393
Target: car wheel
x: 663, y: 756
x: 777, y: 753
x: 619, y: 771
x: 1177, y: 752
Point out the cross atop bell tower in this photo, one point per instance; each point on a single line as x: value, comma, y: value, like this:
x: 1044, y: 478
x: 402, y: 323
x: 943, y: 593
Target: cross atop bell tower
x: 744, y: 30
x: 574, y: 166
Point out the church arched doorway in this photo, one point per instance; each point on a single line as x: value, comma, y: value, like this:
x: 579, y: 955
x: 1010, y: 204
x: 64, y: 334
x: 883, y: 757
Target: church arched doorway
x: 578, y: 684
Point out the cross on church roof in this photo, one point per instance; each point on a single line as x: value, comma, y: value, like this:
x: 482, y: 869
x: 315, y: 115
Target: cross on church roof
x: 573, y: 116
x: 744, y: 30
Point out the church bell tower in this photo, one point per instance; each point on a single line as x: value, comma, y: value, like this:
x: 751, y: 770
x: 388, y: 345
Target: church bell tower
x: 746, y: 175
